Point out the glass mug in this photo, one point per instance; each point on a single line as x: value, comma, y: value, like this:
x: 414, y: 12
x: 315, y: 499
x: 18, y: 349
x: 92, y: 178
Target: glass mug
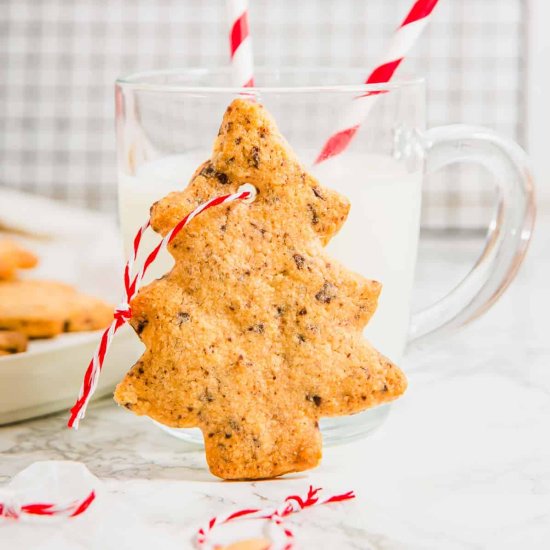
x: 166, y: 125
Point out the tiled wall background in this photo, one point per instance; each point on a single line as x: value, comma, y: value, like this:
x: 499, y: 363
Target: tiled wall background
x: 59, y: 58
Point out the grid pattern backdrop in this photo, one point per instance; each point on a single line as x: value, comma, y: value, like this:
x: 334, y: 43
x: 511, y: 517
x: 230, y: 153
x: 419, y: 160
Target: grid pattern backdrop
x: 59, y: 59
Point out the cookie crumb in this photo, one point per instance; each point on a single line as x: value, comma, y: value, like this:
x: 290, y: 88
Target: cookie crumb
x: 299, y: 260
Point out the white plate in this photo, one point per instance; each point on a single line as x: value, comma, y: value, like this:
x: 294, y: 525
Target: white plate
x: 48, y: 379
x: 81, y: 248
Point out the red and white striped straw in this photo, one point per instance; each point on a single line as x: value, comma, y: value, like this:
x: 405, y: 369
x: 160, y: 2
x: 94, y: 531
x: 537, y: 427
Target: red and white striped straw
x: 240, y: 44
x: 282, y: 537
x: 123, y: 313
x: 403, y: 40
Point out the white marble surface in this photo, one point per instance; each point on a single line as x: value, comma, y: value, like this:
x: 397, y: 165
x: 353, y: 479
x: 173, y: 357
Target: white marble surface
x: 462, y: 463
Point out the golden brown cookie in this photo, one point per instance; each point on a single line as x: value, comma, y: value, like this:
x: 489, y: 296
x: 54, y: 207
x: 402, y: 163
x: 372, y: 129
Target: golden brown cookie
x: 14, y: 257
x: 255, y: 333
x: 12, y: 342
x: 248, y: 544
x: 41, y: 309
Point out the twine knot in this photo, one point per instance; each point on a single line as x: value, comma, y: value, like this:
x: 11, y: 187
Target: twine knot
x: 295, y: 503
x: 123, y: 312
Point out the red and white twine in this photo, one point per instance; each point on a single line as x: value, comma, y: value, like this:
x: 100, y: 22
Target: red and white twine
x: 403, y: 40
x: 240, y: 44
x: 282, y: 537
x: 123, y: 313
x: 13, y: 510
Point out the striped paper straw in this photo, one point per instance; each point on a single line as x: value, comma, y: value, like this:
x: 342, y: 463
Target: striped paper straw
x: 240, y: 44
x: 403, y: 40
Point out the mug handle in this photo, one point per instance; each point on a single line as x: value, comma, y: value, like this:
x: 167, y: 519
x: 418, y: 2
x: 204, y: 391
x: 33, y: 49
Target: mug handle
x: 508, y: 234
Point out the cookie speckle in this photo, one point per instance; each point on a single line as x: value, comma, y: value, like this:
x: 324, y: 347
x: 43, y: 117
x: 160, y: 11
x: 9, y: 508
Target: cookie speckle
x: 299, y: 260
x: 258, y: 328
x: 206, y: 397
x: 208, y: 171
x: 316, y: 399
x: 141, y: 324
x: 314, y: 216
x: 222, y: 178
x: 254, y: 159
x: 183, y: 317
x: 326, y: 294
x: 317, y: 193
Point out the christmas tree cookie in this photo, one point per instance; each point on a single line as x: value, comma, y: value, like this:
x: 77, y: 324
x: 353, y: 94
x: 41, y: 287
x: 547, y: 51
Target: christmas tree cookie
x: 256, y: 333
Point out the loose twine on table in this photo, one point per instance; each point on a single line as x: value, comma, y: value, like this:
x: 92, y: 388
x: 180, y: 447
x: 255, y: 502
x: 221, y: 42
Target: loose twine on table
x: 282, y: 537
x: 13, y: 510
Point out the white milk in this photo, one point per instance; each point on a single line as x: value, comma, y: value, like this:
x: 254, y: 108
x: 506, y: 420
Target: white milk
x: 379, y: 239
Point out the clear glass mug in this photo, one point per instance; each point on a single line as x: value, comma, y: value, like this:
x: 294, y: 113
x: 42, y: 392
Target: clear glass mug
x: 167, y: 122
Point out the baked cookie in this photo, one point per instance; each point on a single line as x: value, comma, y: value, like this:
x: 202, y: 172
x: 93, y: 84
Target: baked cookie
x: 12, y: 342
x: 255, y: 333
x: 248, y: 544
x: 41, y: 309
x: 14, y: 257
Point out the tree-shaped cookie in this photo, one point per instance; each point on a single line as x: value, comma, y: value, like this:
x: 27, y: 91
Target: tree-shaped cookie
x: 255, y: 333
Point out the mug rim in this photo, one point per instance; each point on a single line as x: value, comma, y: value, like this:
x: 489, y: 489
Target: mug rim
x: 142, y: 81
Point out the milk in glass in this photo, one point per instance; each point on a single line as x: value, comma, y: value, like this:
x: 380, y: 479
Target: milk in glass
x: 379, y: 239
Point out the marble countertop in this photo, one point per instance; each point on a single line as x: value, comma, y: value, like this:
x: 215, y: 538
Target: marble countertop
x: 463, y: 461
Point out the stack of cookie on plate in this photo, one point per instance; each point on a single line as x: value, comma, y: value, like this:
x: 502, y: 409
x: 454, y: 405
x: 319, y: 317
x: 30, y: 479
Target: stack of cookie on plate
x: 39, y: 308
